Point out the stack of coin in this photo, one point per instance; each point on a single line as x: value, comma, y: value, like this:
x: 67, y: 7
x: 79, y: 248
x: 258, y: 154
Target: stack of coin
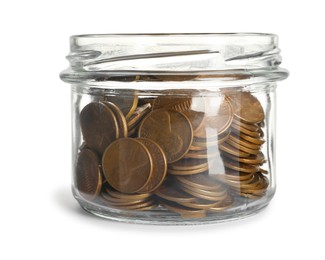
x: 119, y: 200
x: 194, y: 196
x: 242, y: 152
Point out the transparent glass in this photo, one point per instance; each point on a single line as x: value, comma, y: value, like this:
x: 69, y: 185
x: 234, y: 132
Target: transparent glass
x: 173, y: 129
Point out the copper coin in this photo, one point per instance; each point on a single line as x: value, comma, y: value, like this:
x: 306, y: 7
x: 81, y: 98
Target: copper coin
x: 119, y: 202
x: 250, y: 127
x: 188, y: 164
x: 196, y: 112
x: 242, y: 148
x: 244, y: 143
x: 121, y: 122
x: 217, y: 119
x: 138, y: 206
x: 126, y: 197
x: 211, y: 193
x: 204, y: 143
x: 246, y: 107
x: 204, y: 196
x: 202, y: 154
x: 126, y: 103
x: 200, y: 204
x: 127, y: 165
x: 169, y: 129
x: 188, y: 172
x: 138, y: 115
x: 233, y: 151
x: 238, y: 176
x: 88, y: 176
x: 176, y: 103
x: 159, y: 162
x: 257, y: 159
x: 99, y: 126
x: 184, y: 211
x: 237, y: 129
x: 200, y: 181
x: 254, y: 140
x: 223, y: 205
x: 263, y: 171
x: 242, y: 167
x: 170, y: 191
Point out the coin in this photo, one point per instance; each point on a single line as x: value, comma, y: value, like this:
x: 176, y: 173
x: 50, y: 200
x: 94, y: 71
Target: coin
x: 188, y: 164
x: 177, y: 103
x: 121, y: 122
x: 138, y: 115
x: 242, y: 167
x: 88, y: 176
x: 237, y: 129
x: 184, y: 211
x: 223, y: 205
x: 217, y: 120
x: 127, y: 165
x: 240, y: 141
x: 204, y: 143
x: 169, y: 129
x: 99, y: 126
x: 206, y: 197
x: 171, y: 192
x: 200, y: 204
x: 127, y: 197
x: 242, y: 148
x: 196, y: 112
x: 211, y: 193
x: 188, y: 172
x: 200, y: 181
x: 246, y: 107
x: 231, y: 150
x: 202, y: 154
x: 255, y: 140
x: 252, y: 159
x: 126, y: 103
x: 250, y: 127
x: 159, y: 162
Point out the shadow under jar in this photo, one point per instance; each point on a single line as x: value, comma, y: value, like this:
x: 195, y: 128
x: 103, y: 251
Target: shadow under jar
x: 173, y: 128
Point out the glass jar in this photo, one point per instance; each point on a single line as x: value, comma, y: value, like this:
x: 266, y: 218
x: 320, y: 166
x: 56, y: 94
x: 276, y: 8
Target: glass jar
x: 173, y: 128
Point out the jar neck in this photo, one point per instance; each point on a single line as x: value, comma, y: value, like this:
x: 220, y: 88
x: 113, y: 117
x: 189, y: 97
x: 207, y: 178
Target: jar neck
x: 217, y: 56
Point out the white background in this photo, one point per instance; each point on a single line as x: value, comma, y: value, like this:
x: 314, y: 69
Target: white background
x: 39, y: 217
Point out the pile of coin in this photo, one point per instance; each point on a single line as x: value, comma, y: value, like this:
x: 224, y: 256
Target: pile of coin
x: 191, y: 154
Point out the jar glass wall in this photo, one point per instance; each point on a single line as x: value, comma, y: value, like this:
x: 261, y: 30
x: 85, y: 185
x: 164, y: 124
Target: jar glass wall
x: 173, y: 129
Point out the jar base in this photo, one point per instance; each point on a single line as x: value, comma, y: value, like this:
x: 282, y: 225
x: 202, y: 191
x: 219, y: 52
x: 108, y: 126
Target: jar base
x: 160, y: 216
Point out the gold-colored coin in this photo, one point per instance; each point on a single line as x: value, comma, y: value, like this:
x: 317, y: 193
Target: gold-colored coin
x: 196, y: 194
x: 121, y: 122
x: 126, y: 197
x: 88, y: 176
x: 98, y: 126
x: 254, y: 140
x: 211, y: 193
x: 233, y: 151
x: 202, y: 154
x: 250, y: 127
x: 257, y: 159
x: 200, y: 181
x: 204, y: 143
x: 246, y: 107
x: 171, y: 192
x: 127, y: 165
x: 159, y: 162
x: 184, y: 211
x: 240, y: 141
x: 188, y: 172
x: 126, y: 103
x: 242, y: 167
x: 238, y: 176
x: 177, y: 103
x: 200, y: 204
x: 138, y: 115
x: 242, y: 148
x: 237, y: 129
x: 188, y: 164
x: 217, y: 119
x: 171, y: 130
x: 223, y: 205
